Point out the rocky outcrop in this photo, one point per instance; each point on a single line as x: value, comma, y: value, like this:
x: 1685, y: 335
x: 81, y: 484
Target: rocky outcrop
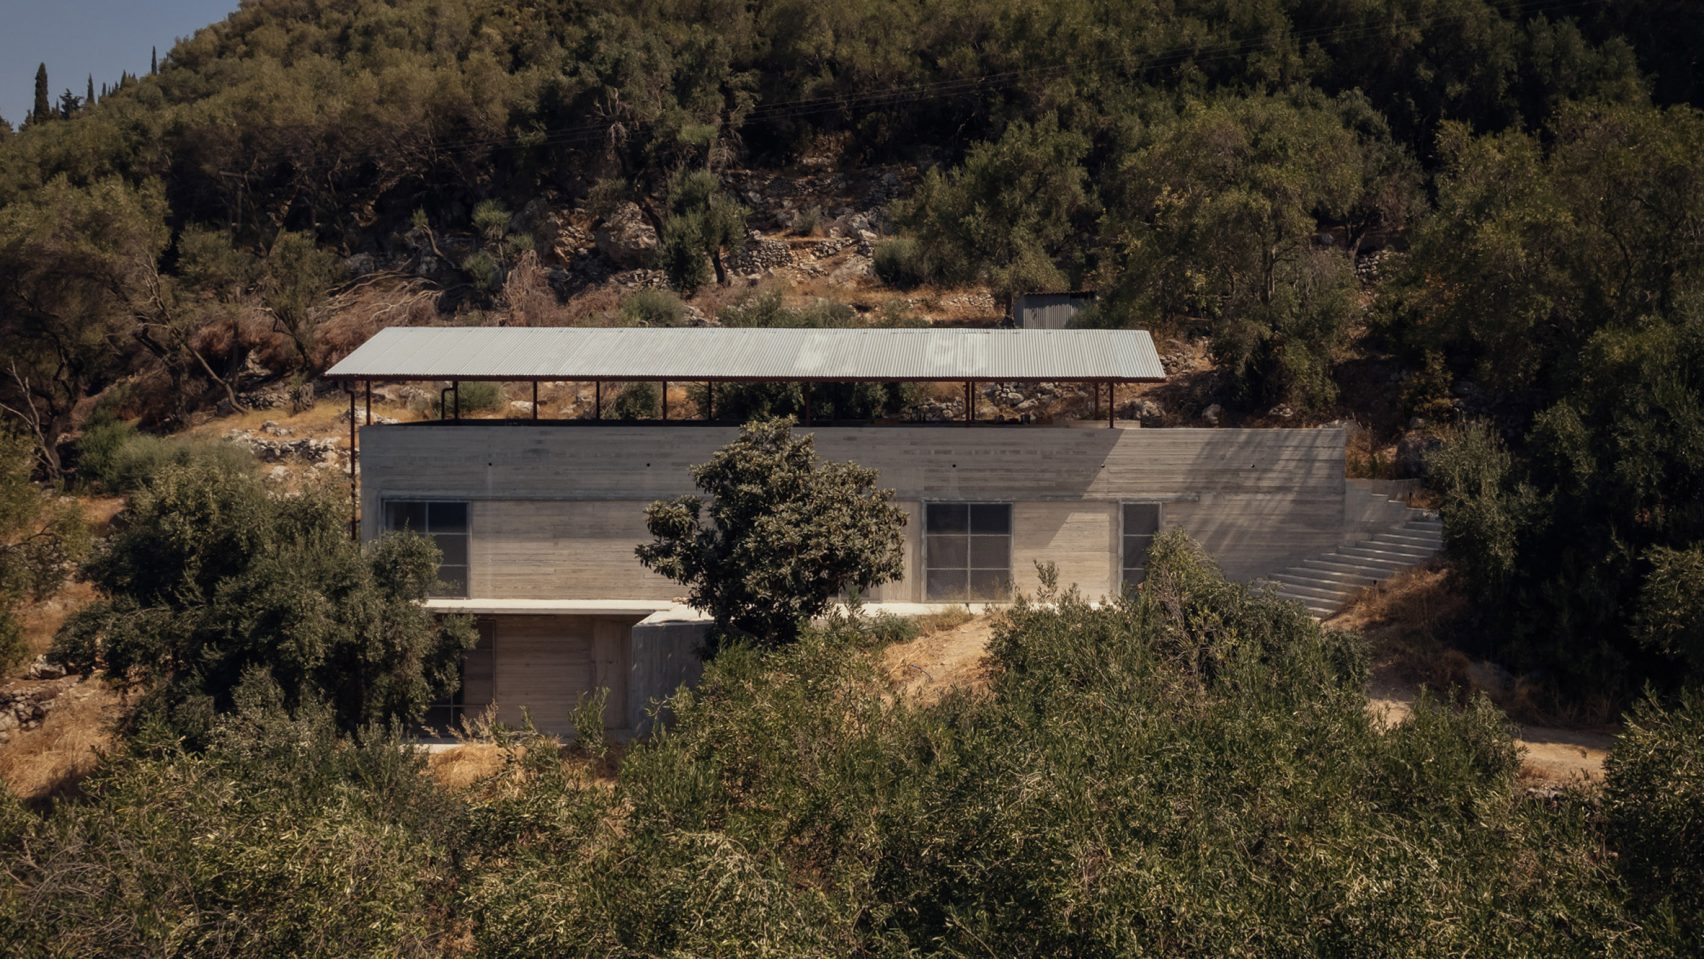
x: 273, y: 443
x: 24, y: 709
x: 626, y: 238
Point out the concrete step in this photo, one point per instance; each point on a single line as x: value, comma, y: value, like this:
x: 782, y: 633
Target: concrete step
x: 1422, y: 540
x: 1391, y: 558
x: 1309, y: 574
x: 1426, y: 522
x: 1319, y: 613
x: 1331, y: 593
x: 1345, y: 564
x: 1411, y: 554
x: 1379, y: 542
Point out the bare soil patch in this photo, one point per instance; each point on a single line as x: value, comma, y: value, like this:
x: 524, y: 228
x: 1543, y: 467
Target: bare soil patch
x: 927, y: 667
x: 41, y: 763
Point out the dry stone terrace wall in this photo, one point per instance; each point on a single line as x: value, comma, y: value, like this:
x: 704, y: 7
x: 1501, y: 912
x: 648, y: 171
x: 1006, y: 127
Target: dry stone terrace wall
x: 557, y: 510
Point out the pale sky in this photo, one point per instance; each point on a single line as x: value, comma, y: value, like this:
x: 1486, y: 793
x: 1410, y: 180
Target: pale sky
x: 76, y: 38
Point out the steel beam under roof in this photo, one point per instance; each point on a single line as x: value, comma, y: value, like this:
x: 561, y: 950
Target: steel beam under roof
x: 712, y: 354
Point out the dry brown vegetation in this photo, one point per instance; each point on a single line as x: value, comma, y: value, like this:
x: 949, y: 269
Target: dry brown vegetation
x: 48, y: 761
x: 949, y: 652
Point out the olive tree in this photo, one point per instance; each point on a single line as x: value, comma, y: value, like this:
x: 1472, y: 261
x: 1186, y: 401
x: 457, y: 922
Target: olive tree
x: 783, y: 533
x: 216, y: 576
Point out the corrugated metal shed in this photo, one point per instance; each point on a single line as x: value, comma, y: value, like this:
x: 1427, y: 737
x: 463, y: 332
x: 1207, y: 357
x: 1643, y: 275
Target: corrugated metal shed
x: 710, y: 353
x: 1049, y: 311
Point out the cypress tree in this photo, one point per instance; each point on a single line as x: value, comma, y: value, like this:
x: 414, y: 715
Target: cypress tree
x: 43, y: 109
x: 89, y: 99
x: 153, y: 60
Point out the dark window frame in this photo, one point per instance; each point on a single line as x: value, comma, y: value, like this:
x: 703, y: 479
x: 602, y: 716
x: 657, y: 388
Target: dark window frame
x: 1133, y: 545
x: 455, y: 587
x: 981, y: 526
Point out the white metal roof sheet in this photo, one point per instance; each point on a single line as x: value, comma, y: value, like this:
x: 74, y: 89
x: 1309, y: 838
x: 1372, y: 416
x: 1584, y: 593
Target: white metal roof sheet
x: 720, y: 353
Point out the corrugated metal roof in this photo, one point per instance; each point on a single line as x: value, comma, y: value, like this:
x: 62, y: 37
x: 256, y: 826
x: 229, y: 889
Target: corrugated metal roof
x: 712, y: 353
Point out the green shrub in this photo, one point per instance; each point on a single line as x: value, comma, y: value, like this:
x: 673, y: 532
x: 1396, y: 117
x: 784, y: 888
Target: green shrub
x: 638, y: 401
x: 41, y: 539
x: 114, y: 456
x: 1191, y: 772
x: 13, y: 650
x: 475, y: 396
x: 654, y: 308
x: 1669, y: 617
x: 215, y: 575
x: 484, y: 270
x: 279, y: 839
x: 766, y: 309
x: 899, y: 263
x: 1188, y: 771
x: 1654, y: 801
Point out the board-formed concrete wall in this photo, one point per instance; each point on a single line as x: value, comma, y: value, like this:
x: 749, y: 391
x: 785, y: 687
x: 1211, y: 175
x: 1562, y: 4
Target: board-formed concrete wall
x: 558, y: 508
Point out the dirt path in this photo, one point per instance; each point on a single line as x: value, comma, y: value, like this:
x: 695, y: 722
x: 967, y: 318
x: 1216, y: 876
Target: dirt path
x: 925, y: 668
x: 1549, y: 755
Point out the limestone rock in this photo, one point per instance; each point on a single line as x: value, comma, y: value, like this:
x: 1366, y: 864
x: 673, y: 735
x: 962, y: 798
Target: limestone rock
x: 43, y: 668
x: 626, y: 238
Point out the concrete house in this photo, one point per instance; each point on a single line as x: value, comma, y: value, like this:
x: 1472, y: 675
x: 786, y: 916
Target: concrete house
x: 538, y: 519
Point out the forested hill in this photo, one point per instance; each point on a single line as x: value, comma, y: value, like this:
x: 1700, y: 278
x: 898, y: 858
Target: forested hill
x: 308, y: 169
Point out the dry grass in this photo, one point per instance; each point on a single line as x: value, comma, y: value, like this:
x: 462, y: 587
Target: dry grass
x: 950, y: 618
x: 50, y: 760
x: 483, y: 764
x: 41, y: 620
x: 947, y: 655
x: 1404, y: 620
x: 463, y: 765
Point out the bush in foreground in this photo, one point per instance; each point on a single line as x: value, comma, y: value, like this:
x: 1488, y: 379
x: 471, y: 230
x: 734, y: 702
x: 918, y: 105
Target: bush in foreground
x: 1654, y: 801
x: 279, y: 839
x: 1192, y: 772
x: 1188, y: 772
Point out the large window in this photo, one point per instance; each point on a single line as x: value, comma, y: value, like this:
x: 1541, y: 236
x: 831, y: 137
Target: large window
x: 446, y: 523
x: 967, y: 551
x: 1141, y: 522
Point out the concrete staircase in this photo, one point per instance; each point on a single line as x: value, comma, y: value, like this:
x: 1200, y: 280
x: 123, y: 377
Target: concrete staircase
x: 1324, y: 583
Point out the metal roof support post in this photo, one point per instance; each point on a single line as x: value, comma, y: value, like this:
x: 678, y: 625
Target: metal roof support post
x: 1095, y: 389
x: 456, y: 386
x: 535, y: 399
x: 369, y: 403
x: 597, y: 399
x: 967, y: 402
x: 354, y: 496
x: 1110, y: 405
x: 807, y: 403
x: 710, y: 401
x: 665, y: 401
